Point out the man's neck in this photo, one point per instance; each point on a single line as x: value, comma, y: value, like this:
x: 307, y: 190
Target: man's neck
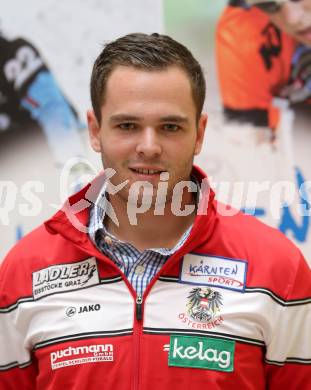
x: 150, y: 230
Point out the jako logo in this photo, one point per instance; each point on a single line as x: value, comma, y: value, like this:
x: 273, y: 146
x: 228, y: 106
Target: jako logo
x: 88, y: 308
x: 201, y: 352
x: 71, y: 311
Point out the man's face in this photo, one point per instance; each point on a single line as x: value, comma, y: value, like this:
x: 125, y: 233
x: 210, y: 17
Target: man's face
x: 148, y: 126
x: 294, y: 17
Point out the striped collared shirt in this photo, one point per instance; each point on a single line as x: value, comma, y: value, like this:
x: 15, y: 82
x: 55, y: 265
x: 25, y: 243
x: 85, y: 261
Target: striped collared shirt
x: 138, y: 267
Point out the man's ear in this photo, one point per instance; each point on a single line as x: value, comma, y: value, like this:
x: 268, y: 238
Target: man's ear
x: 94, y: 131
x: 200, y: 133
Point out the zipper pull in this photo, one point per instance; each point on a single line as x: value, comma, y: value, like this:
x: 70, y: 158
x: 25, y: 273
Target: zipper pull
x: 139, y: 301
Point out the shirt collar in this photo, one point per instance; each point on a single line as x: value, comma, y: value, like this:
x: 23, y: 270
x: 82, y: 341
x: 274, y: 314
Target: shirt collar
x: 99, y: 210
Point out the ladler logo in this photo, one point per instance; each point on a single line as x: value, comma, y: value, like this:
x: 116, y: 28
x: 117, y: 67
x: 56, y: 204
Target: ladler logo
x: 201, y: 352
x: 64, y: 277
x: 80, y: 355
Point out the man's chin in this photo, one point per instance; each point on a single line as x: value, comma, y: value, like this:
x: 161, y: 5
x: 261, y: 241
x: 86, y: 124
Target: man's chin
x: 142, y: 198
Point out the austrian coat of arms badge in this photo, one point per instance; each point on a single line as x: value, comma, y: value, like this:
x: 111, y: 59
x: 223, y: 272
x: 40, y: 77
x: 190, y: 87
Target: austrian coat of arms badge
x: 203, y: 304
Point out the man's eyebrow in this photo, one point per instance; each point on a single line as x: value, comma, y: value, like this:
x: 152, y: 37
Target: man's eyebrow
x: 123, y: 117
x: 175, y: 119
x: 128, y: 118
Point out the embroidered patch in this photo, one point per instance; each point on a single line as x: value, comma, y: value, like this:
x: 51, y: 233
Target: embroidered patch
x: 214, y: 271
x: 201, y: 352
x: 202, y: 307
x: 64, y: 277
x: 73, y: 356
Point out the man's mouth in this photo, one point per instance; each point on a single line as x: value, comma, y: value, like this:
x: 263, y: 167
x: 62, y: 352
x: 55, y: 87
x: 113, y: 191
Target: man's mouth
x: 145, y: 171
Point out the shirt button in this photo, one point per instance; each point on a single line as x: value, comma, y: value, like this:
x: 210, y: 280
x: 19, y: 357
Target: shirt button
x: 139, y: 270
x: 108, y: 240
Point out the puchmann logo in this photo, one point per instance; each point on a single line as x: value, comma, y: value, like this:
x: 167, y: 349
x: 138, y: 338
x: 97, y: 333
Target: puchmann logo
x: 201, y: 352
x: 79, y: 355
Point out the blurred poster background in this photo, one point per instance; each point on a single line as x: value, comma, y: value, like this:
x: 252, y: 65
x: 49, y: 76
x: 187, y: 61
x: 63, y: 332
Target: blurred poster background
x: 69, y: 35
x: 66, y: 36
x: 235, y: 155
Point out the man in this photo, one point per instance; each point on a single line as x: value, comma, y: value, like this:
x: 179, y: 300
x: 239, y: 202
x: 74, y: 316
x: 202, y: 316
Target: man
x: 162, y: 290
x: 263, y: 51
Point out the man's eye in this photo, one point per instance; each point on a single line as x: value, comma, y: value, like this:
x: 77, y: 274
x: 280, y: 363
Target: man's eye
x: 171, y: 127
x: 127, y: 126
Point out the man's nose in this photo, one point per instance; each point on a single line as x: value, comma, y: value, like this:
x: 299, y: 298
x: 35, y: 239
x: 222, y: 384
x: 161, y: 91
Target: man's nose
x: 149, y: 143
x: 292, y: 13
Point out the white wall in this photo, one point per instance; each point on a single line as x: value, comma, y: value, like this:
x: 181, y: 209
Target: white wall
x: 70, y: 33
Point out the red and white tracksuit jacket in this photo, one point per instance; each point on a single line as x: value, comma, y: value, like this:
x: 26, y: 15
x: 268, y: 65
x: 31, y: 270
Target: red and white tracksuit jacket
x: 229, y: 310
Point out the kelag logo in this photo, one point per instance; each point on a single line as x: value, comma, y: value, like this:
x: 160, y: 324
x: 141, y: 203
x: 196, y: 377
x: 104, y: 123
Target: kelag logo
x: 201, y: 352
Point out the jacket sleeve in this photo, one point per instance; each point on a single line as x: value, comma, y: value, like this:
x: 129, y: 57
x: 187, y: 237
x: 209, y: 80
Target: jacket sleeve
x: 17, y: 370
x: 288, y: 354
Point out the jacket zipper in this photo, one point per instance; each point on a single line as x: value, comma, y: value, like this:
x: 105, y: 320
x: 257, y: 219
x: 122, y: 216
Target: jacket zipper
x: 139, y: 301
x: 137, y: 335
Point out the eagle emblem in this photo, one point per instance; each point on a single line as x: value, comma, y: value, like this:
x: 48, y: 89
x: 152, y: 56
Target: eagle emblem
x: 203, y: 304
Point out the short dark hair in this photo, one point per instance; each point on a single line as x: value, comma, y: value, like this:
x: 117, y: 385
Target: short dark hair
x: 147, y: 52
